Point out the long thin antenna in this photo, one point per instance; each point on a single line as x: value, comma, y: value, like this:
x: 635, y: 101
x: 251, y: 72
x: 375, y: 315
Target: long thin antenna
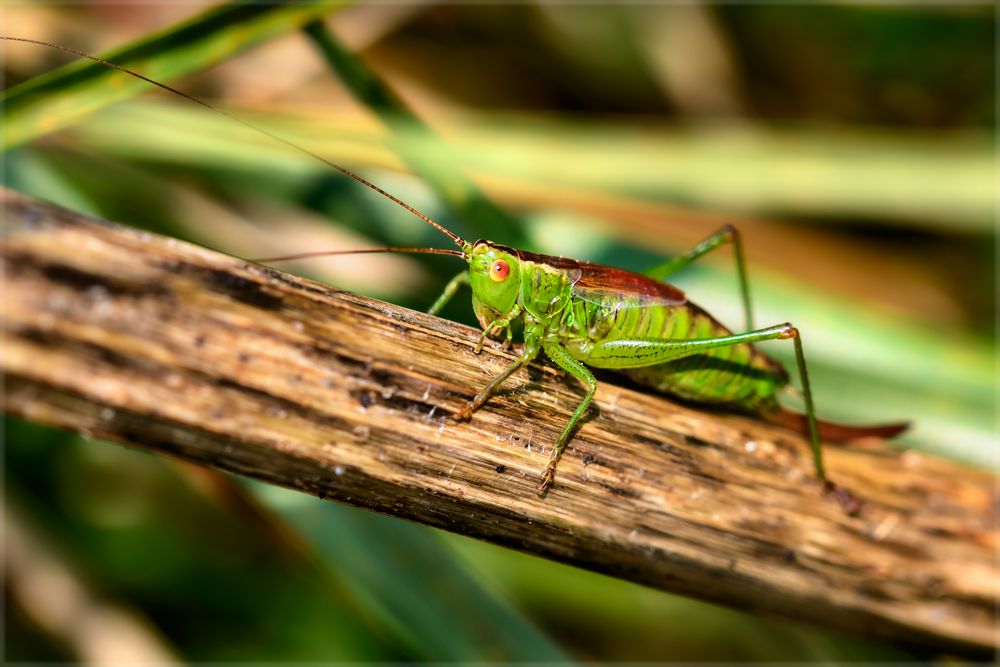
x: 360, y: 251
x: 347, y: 172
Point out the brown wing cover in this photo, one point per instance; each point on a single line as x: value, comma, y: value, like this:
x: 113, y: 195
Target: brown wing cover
x: 831, y: 432
x: 600, y: 277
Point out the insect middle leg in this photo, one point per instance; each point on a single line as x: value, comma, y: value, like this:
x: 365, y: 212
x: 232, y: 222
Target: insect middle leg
x: 558, y: 354
x: 529, y: 352
x: 727, y: 234
x: 640, y: 352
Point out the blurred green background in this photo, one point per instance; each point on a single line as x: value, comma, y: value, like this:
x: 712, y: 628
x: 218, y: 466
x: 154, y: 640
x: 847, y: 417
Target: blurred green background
x: 853, y: 146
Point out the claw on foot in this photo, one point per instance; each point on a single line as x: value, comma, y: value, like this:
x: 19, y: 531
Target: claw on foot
x: 464, y: 415
x: 851, y: 504
x: 550, y: 474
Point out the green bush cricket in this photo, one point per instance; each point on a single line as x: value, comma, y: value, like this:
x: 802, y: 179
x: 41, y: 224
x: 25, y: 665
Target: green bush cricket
x: 582, y: 314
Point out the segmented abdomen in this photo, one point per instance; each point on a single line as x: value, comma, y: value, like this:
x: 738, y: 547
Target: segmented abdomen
x: 736, y: 375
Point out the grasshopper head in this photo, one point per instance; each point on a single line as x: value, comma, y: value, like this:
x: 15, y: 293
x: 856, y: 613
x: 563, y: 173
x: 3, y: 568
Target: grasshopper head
x: 494, y: 272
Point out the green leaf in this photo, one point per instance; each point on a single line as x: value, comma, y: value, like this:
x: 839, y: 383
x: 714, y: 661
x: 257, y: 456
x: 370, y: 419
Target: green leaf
x: 415, y: 142
x: 405, y: 576
x: 60, y: 98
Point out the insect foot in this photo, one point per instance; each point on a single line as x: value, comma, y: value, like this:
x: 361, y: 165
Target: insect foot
x: 465, y: 414
x: 851, y: 504
x: 482, y: 341
x: 547, y: 479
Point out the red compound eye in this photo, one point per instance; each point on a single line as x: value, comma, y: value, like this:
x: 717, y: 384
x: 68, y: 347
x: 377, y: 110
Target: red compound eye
x: 500, y: 270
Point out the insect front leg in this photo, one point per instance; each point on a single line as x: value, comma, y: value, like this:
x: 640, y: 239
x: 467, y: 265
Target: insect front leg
x: 449, y: 291
x: 639, y: 352
x: 502, y: 323
x: 727, y: 234
x: 558, y: 354
x: 531, y: 347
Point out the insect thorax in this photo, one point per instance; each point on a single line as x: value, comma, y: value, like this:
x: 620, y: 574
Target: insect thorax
x: 546, y: 291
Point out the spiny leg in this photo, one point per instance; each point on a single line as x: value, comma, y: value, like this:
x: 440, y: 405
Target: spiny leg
x: 558, y: 354
x: 639, y: 352
x: 530, y: 352
x: 807, y: 397
x: 449, y: 291
x: 727, y: 234
x: 851, y: 504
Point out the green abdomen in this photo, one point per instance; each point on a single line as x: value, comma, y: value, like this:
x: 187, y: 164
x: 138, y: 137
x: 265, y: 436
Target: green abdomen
x: 738, y: 376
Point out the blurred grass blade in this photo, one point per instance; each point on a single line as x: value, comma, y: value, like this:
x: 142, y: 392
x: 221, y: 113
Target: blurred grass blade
x: 408, y: 578
x: 33, y: 173
x: 416, y: 143
x: 48, y: 587
x: 945, y: 184
x: 60, y: 98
